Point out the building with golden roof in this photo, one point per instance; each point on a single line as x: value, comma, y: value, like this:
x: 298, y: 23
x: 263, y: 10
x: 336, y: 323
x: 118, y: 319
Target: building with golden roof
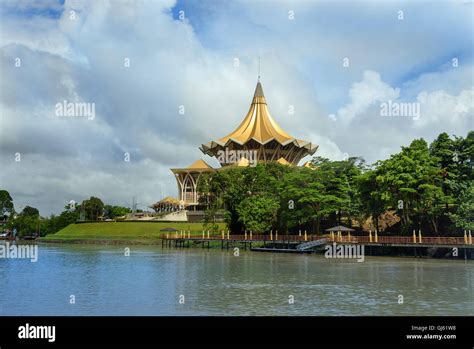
x: 258, y: 138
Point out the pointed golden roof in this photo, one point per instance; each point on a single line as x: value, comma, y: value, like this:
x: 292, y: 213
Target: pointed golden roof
x: 259, y: 125
x: 168, y: 199
x: 199, y: 164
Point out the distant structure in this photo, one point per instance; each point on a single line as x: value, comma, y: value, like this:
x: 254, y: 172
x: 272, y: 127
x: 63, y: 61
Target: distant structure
x: 258, y: 138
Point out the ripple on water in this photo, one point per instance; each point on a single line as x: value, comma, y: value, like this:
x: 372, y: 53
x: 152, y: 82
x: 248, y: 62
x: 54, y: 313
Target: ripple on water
x: 151, y: 279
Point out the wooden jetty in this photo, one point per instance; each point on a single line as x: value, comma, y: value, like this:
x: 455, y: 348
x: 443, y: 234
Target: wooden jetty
x: 307, y: 242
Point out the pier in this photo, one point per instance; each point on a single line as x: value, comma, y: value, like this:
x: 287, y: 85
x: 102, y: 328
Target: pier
x: 307, y: 243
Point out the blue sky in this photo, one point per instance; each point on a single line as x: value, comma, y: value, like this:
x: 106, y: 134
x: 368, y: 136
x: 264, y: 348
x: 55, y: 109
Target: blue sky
x: 191, y: 63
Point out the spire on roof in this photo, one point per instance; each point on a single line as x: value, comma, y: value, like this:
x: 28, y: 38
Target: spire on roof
x: 259, y: 94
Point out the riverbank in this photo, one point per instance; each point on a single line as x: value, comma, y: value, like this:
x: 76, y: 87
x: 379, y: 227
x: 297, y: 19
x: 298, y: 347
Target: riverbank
x: 121, y: 232
x: 150, y: 233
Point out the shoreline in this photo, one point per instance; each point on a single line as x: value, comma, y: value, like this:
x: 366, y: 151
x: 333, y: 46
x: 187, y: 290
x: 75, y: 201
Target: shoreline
x: 99, y: 241
x: 216, y: 246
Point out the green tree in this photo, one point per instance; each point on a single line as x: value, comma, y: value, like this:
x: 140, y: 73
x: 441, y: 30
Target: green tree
x: 211, y: 219
x: 6, y: 204
x: 116, y: 211
x: 464, y: 216
x: 93, y: 208
x: 55, y: 223
x: 28, y: 222
x: 408, y: 182
x: 258, y: 213
x: 303, y: 198
x: 30, y: 211
x: 372, y: 201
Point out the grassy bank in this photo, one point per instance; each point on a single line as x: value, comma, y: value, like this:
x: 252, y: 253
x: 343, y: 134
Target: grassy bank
x: 122, y: 231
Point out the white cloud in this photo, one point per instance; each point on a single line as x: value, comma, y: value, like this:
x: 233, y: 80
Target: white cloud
x: 364, y: 94
x: 441, y: 108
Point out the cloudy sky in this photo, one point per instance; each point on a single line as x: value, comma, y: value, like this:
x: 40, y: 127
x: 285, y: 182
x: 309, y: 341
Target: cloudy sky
x: 334, y: 63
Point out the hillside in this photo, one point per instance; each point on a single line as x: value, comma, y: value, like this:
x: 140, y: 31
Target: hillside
x: 121, y: 230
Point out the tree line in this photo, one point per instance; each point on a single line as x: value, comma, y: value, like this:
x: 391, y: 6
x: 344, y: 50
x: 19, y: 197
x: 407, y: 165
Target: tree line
x: 28, y: 221
x: 424, y: 186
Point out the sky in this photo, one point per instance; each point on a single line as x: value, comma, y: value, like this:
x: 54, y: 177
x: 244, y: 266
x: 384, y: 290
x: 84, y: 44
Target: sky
x: 166, y: 76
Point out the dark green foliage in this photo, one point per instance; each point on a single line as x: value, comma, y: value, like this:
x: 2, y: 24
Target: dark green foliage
x: 428, y: 187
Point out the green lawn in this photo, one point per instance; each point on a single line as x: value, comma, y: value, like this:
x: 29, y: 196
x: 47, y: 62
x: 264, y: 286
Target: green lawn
x: 122, y: 230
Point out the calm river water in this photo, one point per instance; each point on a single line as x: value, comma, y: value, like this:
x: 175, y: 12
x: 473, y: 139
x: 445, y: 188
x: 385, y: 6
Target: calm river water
x: 151, y: 280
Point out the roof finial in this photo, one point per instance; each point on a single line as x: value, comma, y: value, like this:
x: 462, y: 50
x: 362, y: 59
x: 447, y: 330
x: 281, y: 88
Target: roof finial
x: 258, y: 68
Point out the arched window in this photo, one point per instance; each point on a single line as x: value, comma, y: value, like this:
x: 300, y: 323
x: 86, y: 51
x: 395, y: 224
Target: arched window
x: 188, y: 188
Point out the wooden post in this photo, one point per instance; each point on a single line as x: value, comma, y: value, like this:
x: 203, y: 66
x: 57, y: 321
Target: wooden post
x: 376, y: 236
x: 465, y: 238
x: 419, y: 236
x: 414, y: 236
x: 470, y: 238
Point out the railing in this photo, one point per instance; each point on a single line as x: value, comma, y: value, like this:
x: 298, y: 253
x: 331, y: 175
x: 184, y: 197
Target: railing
x: 242, y: 237
x: 430, y: 240
x: 405, y: 240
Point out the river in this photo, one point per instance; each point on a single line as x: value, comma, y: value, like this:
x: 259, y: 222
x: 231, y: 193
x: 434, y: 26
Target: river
x: 101, y: 280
